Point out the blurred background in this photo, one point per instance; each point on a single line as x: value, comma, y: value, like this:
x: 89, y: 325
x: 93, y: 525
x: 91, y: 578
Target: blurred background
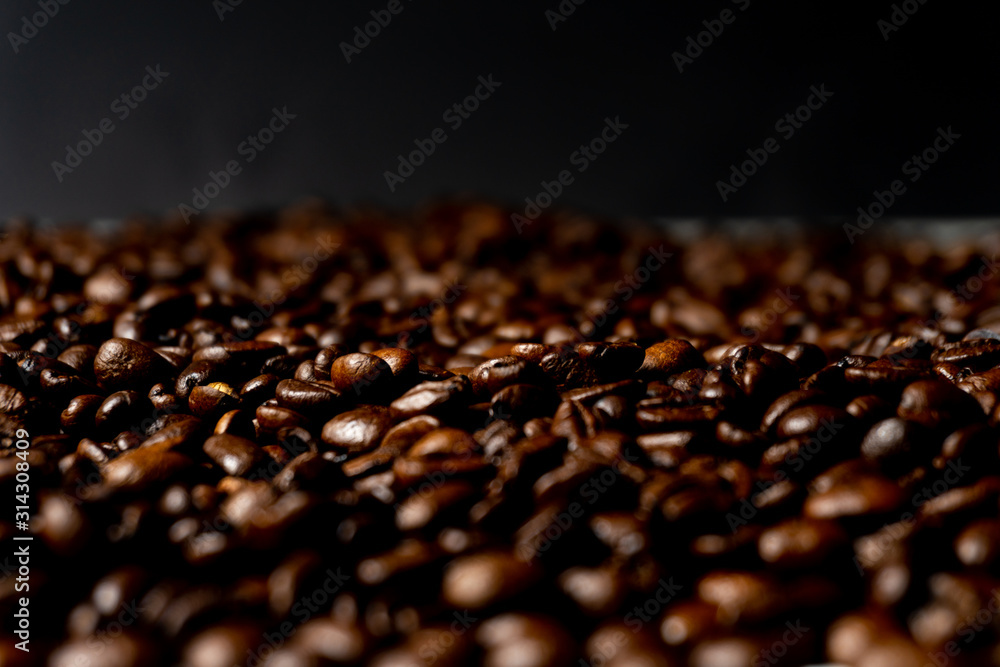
x: 114, y: 108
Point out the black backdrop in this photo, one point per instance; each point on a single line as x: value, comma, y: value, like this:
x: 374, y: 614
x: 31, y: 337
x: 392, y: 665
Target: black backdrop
x: 557, y: 87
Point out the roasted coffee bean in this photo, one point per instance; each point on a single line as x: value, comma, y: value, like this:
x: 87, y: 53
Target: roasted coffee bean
x: 897, y: 445
x: 140, y: 468
x: 935, y: 403
x: 123, y: 364
x: 524, y: 639
x: 800, y: 543
x: 213, y: 400
x: 308, y: 398
x: 362, y: 375
x: 197, y: 373
x: 80, y: 358
x: 434, y: 398
x: 236, y: 455
x: 271, y: 418
x: 980, y: 354
x: 79, y: 414
x: 669, y: 358
x: 481, y: 580
x: 491, y: 376
x: 612, y: 361
x: 403, y: 363
x: 121, y: 409
x: 240, y: 356
x: 522, y: 402
x: 357, y: 431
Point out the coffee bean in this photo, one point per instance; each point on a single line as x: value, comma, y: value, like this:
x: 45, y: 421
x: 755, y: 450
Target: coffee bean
x: 980, y: 354
x: 897, y: 445
x: 213, y: 400
x: 434, y: 397
x: 237, y: 456
x: 141, y: 468
x: 491, y: 376
x: 122, y: 364
x: 357, y: 431
x: 359, y: 375
x: 935, y: 403
x: 669, y: 358
x: 528, y: 640
x: 308, y: 398
x: 403, y: 363
x: 800, y: 543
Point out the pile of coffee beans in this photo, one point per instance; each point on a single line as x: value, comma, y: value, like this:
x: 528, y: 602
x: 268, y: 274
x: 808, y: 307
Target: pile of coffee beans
x: 327, y: 438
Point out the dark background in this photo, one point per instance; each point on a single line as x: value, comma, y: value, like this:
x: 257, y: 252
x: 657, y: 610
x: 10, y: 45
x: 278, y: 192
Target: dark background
x: 607, y: 59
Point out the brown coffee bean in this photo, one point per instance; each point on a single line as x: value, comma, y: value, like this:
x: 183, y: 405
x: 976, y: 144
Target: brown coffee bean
x: 979, y: 355
x: 308, y: 398
x: 80, y: 412
x: 237, y: 456
x: 522, y: 402
x: 597, y: 591
x: 272, y: 418
x: 141, y: 468
x: 362, y: 375
x: 897, y: 445
x: 403, y: 363
x: 865, y: 495
x: 936, y: 403
x: 124, y: 364
x: 247, y: 355
x: 213, y: 400
x: 481, y: 580
x: 307, y: 471
x: 787, y: 402
x: 524, y: 639
x: 359, y: 430
x: 493, y: 375
x: 433, y: 504
x: 434, y: 397
x: 612, y: 361
x: 120, y: 409
x: 669, y: 358
x: 125, y: 650
x: 330, y: 641
x: 800, y: 543
x: 813, y: 420
x: 652, y: 418
x: 196, y: 373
